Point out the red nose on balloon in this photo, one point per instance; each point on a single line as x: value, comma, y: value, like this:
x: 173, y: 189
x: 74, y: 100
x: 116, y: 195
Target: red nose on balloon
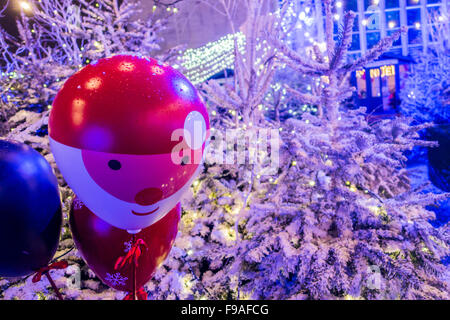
x: 148, y: 196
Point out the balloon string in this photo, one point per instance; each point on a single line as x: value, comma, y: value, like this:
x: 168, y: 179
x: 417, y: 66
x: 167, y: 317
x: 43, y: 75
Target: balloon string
x: 141, y: 294
x: 131, y: 259
x: 46, y: 271
x: 55, y: 288
x: 133, y: 254
x: 134, y: 270
x: 64, y: 254
x: 54, y: 260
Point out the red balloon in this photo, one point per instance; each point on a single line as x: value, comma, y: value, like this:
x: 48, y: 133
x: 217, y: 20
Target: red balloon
x: 109, y: 251
x: 125, y: 105
x: 128, y: 134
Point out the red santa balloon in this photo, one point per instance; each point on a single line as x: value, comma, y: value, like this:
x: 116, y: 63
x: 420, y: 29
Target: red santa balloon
x: 128, y: 134
x: 122, y: 261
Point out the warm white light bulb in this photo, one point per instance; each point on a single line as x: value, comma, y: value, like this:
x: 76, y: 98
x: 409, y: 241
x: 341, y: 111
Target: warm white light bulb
x: 25, y: 5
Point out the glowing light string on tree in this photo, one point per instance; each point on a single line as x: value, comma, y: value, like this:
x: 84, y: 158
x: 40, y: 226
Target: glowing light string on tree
x: 204, y: 62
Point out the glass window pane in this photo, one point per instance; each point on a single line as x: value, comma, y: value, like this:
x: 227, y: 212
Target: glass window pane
x: 392, y: 4
x: 392, y: 19
x: 356, y: 23
x: 413, y: 2
x: 355, y: 42
x: 388, y: 87
x: 414, y: 36
x: 375, y: 82
x: 387, y: 70
x: 352, y: 5
x: 413, y: 16
x: 361, y: 84
x: 397, y: 42
x: 434, y: 1
x: 372, y: 39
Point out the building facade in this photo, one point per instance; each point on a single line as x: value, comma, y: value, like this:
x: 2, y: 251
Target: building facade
x: 211, y: 40
x: 378, y: 85
x: 376, y: 19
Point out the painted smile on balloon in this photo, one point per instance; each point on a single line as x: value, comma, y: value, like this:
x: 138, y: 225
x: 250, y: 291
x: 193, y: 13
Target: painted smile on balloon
x: 145, y: 213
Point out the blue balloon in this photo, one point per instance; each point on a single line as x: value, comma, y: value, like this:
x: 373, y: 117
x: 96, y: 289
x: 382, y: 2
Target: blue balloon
x: 30, y: 210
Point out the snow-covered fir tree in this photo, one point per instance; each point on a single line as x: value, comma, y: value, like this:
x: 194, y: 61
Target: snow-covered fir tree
x: 338, y: 219
x: 426, y: 95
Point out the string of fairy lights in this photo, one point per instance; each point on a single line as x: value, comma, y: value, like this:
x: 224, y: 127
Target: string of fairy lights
x: 202, y: 63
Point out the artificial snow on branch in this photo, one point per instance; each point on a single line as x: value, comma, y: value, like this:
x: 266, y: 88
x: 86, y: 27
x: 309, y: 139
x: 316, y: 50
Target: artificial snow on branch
x: 338, y: 218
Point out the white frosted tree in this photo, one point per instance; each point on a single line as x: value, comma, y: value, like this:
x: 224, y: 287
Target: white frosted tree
x: 426, y: 95
x: 337, y: 220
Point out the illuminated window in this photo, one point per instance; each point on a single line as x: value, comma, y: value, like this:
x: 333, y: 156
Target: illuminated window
x: 387, y: 71
x: 412, y: 2
x: 388, y: 86
x: 361, y: 83
x: 391, y: 84
x: 375, y: 82
x: 388, y: 75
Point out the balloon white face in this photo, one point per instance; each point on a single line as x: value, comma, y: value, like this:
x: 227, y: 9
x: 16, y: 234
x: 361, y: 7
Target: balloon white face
x: 130, y: 192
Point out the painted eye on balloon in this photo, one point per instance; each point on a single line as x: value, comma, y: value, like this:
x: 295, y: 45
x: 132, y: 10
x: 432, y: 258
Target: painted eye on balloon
x: 114, y: 165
